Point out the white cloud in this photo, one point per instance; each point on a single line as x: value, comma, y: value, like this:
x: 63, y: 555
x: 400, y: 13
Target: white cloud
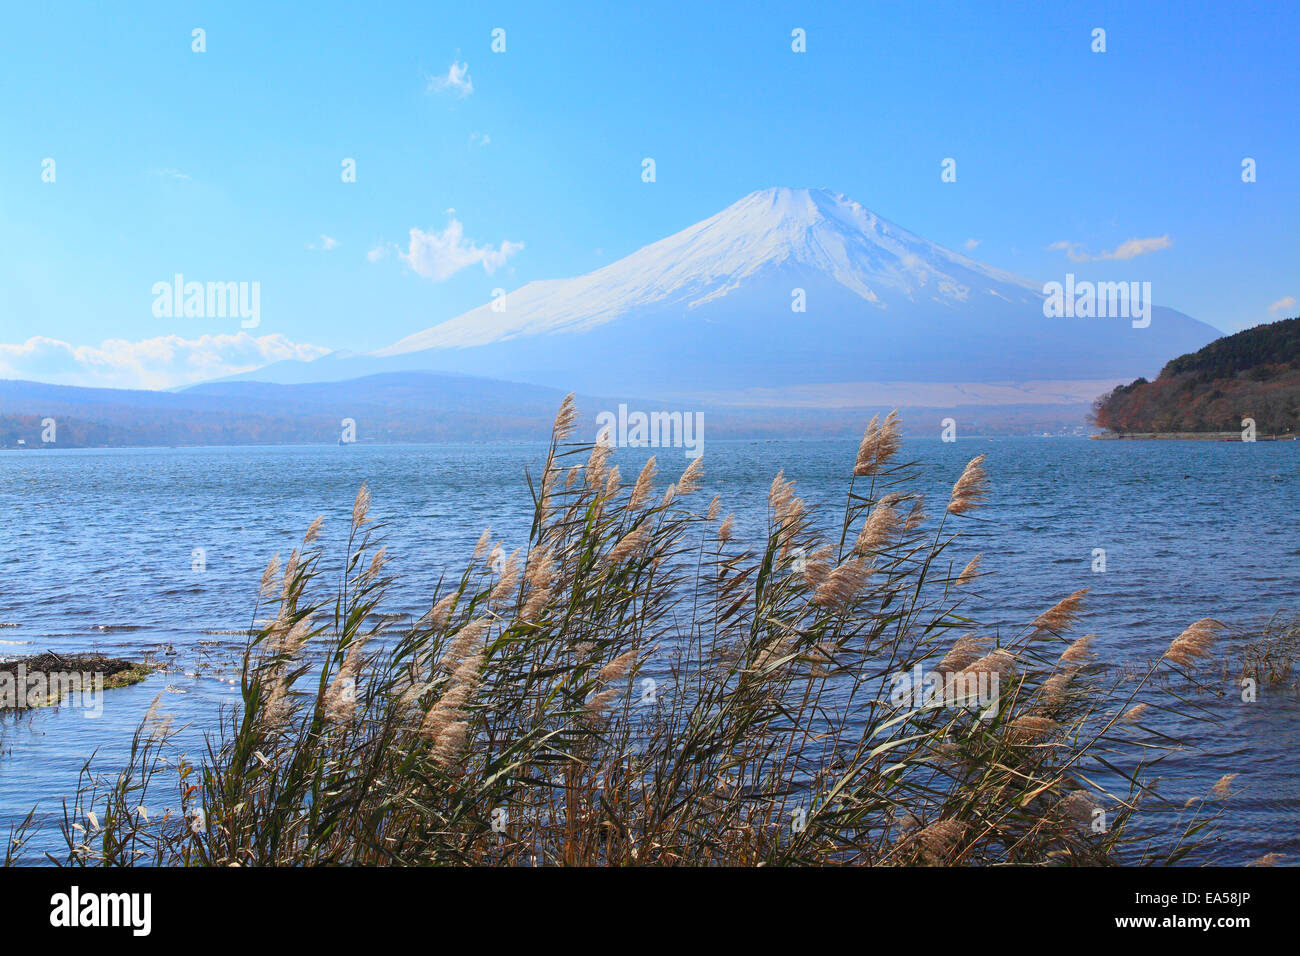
x: 326, y: 243
x: 440, y: 255
x: 169, y: 173
x: 1283, y: 303
x: 971, y: 243
x: 456, y: 81
x: 1129, y: 249
x: 377, y: 253
x: 1069, y: 248
x: 161, y: 362
x: 479, y: 139
x: 1133, y: 248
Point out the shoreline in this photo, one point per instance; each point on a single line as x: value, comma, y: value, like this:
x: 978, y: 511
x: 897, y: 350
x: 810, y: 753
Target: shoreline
x: 1185, y: 436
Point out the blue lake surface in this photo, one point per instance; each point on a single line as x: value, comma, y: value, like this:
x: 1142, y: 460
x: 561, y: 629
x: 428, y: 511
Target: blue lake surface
x: 98, y: 548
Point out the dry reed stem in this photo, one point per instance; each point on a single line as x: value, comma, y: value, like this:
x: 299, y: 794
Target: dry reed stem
x: 877, y: 530
x: 1062, y: 615
x: 361, y: 507
x: 1079, y: 651
x: 940, y: 841
x: 969, y: 572
x: 880, y: 442
x: 971, y: 489
x: 1195, y: 642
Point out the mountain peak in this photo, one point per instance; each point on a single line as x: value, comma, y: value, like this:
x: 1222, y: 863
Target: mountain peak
x: 793, y: 233
x: 810, y: 206
x: 795, y: 196
x: 787, y: 287
x: 792, y: 202
x: 794, y: 209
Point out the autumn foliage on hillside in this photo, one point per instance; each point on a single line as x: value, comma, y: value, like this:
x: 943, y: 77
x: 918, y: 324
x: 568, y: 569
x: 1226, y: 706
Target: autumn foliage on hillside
x: 1252, y: 374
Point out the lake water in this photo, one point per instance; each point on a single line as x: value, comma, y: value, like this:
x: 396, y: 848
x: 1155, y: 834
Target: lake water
x: 98, y: 552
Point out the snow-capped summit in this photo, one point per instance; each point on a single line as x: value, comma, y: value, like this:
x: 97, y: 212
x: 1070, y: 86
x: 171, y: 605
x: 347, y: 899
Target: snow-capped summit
x: 816, y: 230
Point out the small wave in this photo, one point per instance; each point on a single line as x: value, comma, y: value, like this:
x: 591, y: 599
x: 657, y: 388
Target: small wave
x: 114, y: 628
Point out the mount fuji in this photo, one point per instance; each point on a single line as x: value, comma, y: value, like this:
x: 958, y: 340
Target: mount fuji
x: 712, y: 312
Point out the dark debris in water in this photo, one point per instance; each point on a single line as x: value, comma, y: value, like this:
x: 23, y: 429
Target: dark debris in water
x: 116, y: 671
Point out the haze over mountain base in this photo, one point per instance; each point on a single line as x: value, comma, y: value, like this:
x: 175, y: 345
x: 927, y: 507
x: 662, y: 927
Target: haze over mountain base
x: 893, y: 394
x: 429, y: 407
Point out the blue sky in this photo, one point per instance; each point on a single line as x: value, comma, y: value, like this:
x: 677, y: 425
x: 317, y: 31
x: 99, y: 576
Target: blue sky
x: 225, y: 165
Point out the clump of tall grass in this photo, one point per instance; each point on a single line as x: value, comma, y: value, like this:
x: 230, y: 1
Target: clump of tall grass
x: 1269, y: 653
x: 637, y: 687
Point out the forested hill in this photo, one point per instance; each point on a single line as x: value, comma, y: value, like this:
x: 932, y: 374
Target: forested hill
x: 1252, y: 374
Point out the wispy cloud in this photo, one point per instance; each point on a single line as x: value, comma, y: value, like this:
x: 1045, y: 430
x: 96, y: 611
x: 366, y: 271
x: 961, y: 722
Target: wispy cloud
x: 1069, y: 248
x: 479, y: 139
x: 971, y: 243
x: 169, y: 174
x: 161, y: 362
x: 440, y: 255
x: 1133, y: 248
x: 1129, y: 249
x: 456, y: 82
x: 326, y: 243
x: 1284, y: 303
x: 377, y: 253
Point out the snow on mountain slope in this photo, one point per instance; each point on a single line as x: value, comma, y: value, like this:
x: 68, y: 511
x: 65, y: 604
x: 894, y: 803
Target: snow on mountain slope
x: 817, y: 230
x: 710, y: 311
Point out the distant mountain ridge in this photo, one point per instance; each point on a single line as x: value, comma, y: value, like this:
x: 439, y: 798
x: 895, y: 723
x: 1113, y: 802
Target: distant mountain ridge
x: 1252, y: 374
x: 417, y: 407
